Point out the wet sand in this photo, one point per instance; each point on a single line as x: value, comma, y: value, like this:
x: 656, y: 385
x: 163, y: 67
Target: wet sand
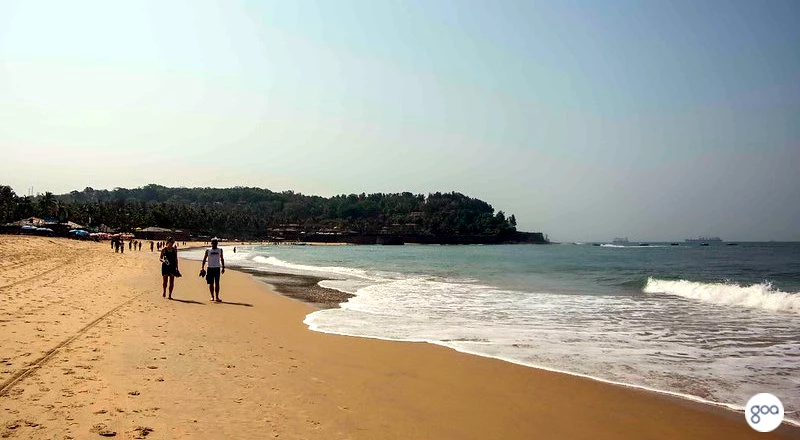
x: 88, y: 347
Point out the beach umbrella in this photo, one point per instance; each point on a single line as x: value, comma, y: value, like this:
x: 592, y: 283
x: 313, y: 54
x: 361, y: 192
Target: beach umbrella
x: 28, y: 227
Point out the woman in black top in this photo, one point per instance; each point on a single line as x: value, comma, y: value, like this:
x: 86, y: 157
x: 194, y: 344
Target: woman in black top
x: 169, y: 266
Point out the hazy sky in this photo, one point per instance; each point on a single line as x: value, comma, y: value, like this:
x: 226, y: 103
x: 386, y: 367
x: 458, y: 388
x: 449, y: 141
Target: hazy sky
x: 656, y: 120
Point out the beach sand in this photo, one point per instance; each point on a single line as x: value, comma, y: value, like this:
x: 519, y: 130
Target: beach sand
x: 88, y: 346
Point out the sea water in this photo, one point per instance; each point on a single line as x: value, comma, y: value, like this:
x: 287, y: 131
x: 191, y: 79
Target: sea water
x: 714, y: 323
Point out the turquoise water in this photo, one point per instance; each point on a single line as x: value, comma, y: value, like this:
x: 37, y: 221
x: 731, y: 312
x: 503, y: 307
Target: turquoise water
x: 717, y: 323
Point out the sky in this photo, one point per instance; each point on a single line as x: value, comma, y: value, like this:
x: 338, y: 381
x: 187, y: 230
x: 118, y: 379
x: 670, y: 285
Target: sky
x: 587, y: 120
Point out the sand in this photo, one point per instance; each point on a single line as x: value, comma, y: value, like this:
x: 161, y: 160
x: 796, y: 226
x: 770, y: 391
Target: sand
x: 89, y: 348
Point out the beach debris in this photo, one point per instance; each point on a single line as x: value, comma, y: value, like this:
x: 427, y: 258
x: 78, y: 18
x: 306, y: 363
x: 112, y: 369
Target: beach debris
x: 103, y: 430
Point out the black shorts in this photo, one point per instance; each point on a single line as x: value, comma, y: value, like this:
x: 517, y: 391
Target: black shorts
x: 167, y: 269
x: 212, y: 275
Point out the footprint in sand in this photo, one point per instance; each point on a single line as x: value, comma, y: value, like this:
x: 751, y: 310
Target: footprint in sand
x: 141, y: 431
x: 103, y: 430
x: 16, y: 391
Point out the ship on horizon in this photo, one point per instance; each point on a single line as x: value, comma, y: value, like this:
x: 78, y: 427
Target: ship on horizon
x: 704, y: 240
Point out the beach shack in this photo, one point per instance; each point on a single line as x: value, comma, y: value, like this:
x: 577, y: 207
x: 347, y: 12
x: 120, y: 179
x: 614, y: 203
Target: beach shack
x: 24, y: 226
x: 159, y: 234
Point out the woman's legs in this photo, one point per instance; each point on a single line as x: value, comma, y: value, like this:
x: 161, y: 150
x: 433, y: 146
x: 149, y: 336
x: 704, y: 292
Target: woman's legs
x: 171, y: 284
x: 164, y: 286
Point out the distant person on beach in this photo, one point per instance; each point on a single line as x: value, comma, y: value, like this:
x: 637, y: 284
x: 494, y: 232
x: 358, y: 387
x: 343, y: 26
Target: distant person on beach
x: 216, y: 266
x: 140, y: 246
x: 151, y: 246
x: 234, y: 249
x: 169, y: 267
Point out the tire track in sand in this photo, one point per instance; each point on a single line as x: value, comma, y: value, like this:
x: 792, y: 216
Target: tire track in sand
x: 17, y: 377
x: 38, y: 274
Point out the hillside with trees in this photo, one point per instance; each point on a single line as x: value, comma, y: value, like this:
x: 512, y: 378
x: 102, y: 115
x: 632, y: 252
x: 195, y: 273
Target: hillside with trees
x: 255, y: 213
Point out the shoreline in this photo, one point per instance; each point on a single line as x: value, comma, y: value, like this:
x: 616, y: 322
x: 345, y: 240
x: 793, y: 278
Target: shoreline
x: 292, y: 285
x: 133, y: 363
x: 305, y: 288
x: 689, y: 398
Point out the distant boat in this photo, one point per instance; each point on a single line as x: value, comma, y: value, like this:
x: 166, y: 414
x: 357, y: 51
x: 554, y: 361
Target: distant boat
x: 732, y: 244
x: 674, y: 244
x: 644, y: 244
x: 621, y: 241
x: 703, y: 241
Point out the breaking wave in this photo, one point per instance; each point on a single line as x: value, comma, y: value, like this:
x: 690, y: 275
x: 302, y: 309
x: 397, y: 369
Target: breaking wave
x: 303, y: 268
x: 759, y: 296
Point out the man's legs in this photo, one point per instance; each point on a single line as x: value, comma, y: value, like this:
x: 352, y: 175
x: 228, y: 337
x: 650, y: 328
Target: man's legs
x: 216, y: 288
x: 211, y: 289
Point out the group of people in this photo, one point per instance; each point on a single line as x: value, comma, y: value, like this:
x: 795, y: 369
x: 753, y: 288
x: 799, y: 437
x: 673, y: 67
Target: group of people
x: 169, y: 267
x: 118, y: 244
x: 161, y: 244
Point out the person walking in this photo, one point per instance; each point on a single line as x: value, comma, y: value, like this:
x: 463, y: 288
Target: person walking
x: 216, y: 267
x: 169, y: 267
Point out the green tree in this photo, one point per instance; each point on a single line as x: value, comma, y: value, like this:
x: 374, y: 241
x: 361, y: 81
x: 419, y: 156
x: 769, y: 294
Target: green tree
x: 8, y: 204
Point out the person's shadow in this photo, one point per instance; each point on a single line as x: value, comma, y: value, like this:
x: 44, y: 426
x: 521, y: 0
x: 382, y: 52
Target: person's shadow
x: 187, y: 301
x: 235, y: 303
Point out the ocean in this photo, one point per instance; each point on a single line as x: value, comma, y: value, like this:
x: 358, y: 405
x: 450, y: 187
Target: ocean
x: 712, y: 323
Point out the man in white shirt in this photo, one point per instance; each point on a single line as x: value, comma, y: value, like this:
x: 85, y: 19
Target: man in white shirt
x: 216, y: 266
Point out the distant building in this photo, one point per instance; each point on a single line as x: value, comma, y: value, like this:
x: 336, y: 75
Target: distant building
x: 30, y: 221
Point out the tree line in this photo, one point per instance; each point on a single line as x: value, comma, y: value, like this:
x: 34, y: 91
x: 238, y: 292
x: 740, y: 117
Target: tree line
x: 248, y: 212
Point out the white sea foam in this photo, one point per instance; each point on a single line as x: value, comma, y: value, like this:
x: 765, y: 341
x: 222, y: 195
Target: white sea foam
x: 760, y: 296
x: 347, y: 286
x: 303, y: 268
